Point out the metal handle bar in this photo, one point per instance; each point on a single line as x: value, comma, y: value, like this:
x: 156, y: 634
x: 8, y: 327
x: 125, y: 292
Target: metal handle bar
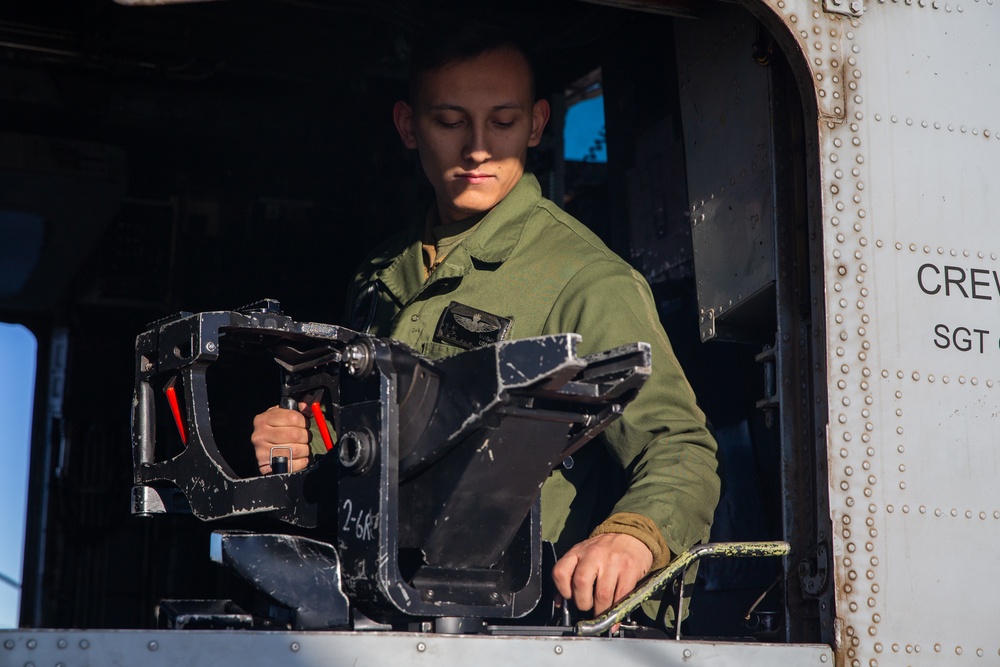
x: 658, y: 580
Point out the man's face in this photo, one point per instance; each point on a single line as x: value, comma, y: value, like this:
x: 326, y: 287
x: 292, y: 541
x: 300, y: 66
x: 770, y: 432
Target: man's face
x: 472, y: 123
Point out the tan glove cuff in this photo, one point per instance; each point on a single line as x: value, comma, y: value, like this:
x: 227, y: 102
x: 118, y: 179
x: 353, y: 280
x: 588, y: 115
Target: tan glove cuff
x: 641, y: 528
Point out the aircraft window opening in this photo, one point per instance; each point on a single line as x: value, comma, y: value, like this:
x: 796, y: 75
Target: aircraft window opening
x: 253, y: 176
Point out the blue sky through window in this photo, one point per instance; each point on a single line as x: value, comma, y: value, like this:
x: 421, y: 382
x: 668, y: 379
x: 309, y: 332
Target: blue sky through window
x: 18, y: 352
x: 583, y: 133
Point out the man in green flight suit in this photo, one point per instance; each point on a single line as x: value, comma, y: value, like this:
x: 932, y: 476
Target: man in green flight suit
x: 493, y: 260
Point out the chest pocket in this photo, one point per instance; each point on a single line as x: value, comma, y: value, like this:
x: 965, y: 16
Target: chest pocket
x: 434, y: 350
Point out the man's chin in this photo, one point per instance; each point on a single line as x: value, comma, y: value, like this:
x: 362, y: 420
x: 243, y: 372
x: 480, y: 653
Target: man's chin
x: 467, y: 207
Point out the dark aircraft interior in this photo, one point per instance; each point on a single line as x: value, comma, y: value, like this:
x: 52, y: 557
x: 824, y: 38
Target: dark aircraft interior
x: 203, y: 156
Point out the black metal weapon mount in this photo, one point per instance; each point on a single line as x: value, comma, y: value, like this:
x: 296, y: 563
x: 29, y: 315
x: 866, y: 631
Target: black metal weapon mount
x: 427, y: 507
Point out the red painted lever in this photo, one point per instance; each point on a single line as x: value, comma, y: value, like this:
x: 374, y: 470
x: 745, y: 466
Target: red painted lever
x: 175, y: 408
x: 317, y: 413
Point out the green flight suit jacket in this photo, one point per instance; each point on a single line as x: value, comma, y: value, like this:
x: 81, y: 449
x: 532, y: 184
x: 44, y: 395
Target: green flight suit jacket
x: 533, y: 263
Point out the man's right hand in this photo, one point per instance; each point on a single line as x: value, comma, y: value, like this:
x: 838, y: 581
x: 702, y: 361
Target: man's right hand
x: 278, y: 427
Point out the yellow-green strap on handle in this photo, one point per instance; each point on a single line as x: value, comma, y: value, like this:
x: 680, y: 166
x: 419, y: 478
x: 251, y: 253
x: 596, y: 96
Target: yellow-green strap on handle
x: 655, y: 582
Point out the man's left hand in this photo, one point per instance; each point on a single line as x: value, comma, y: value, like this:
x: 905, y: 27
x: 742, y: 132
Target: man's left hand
x: 601, y: 570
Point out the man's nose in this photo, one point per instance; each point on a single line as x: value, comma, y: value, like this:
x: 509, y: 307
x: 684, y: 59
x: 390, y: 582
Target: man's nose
x: 476, y: 147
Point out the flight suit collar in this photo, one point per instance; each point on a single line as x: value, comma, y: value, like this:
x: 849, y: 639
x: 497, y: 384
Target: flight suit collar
x: 492, y: 243
x: 404, y: 276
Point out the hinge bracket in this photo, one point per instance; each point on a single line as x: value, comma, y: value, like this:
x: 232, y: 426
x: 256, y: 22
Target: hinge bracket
x: 845, y: 7
x: 813, y: 572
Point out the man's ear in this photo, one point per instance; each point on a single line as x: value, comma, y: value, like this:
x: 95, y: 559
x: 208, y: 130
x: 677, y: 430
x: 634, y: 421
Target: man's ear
x: 402, y: 116
x: 539, y: 118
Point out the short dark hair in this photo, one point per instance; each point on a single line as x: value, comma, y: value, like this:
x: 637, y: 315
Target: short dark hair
x: 459, y: 37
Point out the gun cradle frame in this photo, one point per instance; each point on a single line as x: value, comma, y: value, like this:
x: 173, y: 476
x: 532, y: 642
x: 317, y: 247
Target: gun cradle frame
x: 437, y: 471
